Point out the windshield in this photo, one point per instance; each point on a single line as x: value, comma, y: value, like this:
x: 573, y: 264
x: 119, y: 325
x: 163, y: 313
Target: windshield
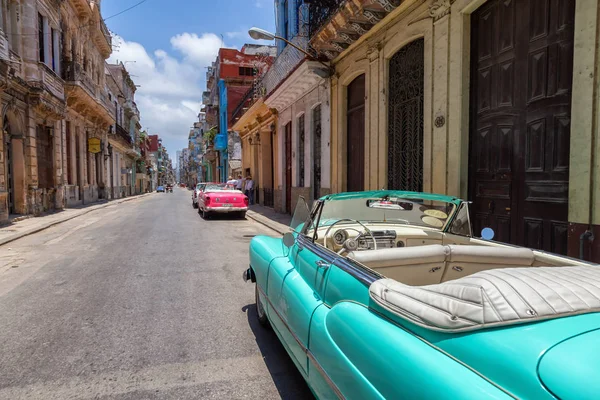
x: 219, y: 186
x: 388, y: 210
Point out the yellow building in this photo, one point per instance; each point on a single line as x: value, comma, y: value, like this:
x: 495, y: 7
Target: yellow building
x: 494, y: 101
x: 256, y: 128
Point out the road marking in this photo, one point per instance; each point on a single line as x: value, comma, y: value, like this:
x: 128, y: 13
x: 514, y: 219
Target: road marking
x: 89, y: 222
x: 154, y: 378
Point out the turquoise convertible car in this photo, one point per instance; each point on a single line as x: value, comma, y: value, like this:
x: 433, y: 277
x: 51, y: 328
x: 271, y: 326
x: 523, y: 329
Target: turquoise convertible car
x: 388, y: 295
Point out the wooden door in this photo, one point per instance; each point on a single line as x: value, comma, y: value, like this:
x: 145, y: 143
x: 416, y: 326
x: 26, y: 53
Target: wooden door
x: 355, y: 157
x: 288, y: 167
x: 405, y: 118
x: 522, y: 66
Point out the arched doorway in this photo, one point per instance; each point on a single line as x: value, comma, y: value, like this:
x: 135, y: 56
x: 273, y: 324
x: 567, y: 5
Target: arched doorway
x: 355, y: 157
x: 405, y: 118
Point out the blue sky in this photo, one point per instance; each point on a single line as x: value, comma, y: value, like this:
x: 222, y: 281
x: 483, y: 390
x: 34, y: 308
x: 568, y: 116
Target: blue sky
x: 171, y: 42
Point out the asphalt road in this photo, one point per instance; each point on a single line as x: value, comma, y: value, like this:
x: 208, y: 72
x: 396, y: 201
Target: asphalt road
x: 141, y: 300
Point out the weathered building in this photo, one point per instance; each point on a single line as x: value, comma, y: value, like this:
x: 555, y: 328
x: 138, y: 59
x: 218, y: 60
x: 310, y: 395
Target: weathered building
x: 493, y: 101
x: 33, y: 106
x: 86, y: 44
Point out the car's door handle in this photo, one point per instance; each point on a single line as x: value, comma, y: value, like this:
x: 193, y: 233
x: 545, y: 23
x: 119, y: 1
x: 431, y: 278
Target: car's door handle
x: 322, y: 264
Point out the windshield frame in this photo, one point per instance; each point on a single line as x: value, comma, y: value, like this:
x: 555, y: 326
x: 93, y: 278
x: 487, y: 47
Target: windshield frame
x: 318, y: 210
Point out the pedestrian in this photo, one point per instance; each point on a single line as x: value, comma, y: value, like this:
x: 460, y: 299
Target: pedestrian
x: 231, y: 181
x: 250, y: 189
x: 240, y: 183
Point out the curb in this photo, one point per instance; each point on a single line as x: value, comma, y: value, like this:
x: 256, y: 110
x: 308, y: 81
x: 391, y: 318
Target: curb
x: 60, y: 221
x: 275, y: 226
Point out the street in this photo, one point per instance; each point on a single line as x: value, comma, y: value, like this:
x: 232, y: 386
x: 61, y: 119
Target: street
x: 140, y: 300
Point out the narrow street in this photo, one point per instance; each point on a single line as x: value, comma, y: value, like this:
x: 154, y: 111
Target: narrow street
x: 141, y: 300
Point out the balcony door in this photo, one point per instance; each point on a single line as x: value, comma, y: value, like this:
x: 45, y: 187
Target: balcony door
x: 355, y: 157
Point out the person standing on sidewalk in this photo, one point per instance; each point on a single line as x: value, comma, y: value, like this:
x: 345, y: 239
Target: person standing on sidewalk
x: 250, y: 189
x: 240, y: 183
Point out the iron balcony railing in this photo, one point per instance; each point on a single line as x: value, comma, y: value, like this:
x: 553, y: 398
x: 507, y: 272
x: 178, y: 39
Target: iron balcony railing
x: 319, y: 13
x: 74, y: 72
x: 123, y: 133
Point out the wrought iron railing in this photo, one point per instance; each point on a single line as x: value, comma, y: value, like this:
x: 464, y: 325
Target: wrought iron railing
x: 123, y: 133
x: 320, y: 12
x: 267, y: 197
x: 74, y: 72
x: 246, y: 102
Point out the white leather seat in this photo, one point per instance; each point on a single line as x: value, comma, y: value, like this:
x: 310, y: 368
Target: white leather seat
x: 421, y: 265
x: 431, y: 264
x: 466, y: 260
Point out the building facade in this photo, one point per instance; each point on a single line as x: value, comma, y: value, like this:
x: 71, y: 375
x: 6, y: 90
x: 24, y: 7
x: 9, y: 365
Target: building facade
x: 53, y: 102
x: 492, y: 101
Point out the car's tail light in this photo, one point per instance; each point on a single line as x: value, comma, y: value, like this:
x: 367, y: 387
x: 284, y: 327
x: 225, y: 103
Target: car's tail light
x: 246, y: 202
x: 207, y: 200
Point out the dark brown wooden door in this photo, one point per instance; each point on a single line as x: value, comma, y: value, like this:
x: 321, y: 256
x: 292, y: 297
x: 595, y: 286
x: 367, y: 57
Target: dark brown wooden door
x: 355, y: 164
x: 288, y: 167
x: 405, y: 117
x: 522, y: 66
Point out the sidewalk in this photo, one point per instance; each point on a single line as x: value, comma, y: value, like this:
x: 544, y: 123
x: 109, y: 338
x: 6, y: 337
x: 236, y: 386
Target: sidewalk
x: 270, y: 218
x: 31, y: 225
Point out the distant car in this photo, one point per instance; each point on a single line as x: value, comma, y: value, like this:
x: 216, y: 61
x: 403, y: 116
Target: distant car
x: 160, y: 189
x: 222, y: 198
x: 197, y: 190
x: 169, y: 188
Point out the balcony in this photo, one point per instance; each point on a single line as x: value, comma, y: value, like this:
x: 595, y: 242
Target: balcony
x: 85, y: 96
x: 284, y: 64
x: 334, y: 27
x: 123, y: 134
x: 82, y: 8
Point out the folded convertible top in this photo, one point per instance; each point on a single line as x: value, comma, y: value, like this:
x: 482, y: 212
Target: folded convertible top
x: 493, y: 298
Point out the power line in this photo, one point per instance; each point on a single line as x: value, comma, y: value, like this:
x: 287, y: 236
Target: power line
x: 125, y: 10
x: 85, y: 25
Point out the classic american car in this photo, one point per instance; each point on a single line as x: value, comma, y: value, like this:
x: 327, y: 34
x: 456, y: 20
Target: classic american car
x: 196, y: 193
x: 387, y: 294
x: 217, y: 198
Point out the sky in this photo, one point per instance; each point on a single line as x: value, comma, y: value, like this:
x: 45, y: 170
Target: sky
x: 166, y: 46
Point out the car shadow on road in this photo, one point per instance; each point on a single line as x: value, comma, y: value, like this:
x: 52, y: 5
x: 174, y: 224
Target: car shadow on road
x: 287, y: 378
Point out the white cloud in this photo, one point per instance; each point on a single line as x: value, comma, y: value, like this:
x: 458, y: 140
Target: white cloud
x: 199, y: 49
x: 170, y: 88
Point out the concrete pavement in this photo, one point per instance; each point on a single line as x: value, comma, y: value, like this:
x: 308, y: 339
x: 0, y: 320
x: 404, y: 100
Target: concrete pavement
x: 139, y: 300
x: 28, y: 226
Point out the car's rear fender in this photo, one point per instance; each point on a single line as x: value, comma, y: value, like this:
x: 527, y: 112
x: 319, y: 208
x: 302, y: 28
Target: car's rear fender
x: 367, y: 357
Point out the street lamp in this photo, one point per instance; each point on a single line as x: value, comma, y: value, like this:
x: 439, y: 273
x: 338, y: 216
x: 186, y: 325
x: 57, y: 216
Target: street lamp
x: 261, y: 34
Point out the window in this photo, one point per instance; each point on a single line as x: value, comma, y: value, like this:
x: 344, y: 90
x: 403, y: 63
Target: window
x: 300, y: 126
x: 41, y: 41
x: 286, y: 20
x: 53, y: 47
x: 247, y: 71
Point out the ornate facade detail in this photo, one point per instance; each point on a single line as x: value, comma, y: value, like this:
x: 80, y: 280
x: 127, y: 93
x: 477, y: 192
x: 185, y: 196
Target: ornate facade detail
x: 358, y: 28
x: 373, y: 53
x: 388, y: 5
x: 346, y: 38
x: 440, y: 8
x: 373, y: 17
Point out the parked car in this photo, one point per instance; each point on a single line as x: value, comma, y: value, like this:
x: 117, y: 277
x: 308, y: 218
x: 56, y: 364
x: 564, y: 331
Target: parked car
x: 222, y: 198
x: 197, y: 190
x: 160, y: 189
x: 388, y: 295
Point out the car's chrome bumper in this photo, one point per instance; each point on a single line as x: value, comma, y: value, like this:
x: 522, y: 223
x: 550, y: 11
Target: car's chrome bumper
x: 225, y: 209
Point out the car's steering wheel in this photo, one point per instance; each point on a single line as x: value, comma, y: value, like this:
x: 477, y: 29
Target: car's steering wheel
x: 350, y: 244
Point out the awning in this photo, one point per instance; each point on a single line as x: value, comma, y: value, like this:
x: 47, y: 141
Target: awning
x: 235, y: 164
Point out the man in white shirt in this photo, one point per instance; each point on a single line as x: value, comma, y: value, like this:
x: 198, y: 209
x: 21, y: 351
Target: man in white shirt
x: 250, y: 189
x: 240, y: 183
x: 231, y: 181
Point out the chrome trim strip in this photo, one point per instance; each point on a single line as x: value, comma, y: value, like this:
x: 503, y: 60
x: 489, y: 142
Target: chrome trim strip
x: 306, y: 351
x: 364, y: 275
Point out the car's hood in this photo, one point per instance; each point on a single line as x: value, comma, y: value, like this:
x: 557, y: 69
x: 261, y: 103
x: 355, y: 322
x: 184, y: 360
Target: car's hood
x: 571, y: 368
x: 565, y: 350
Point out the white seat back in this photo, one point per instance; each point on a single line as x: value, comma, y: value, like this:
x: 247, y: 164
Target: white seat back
x: 421, y: 265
